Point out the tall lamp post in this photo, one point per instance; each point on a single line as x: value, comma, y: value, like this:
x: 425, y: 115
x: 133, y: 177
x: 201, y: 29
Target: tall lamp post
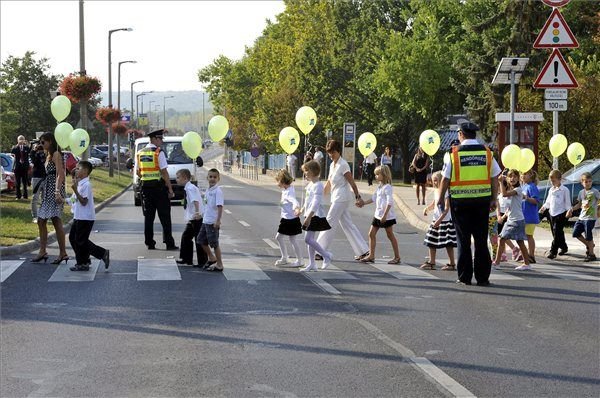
x: 110, y: 32
x: 149, y: 110
x: 132, y: 84
x: 164, y: 112
x: 119, y: 108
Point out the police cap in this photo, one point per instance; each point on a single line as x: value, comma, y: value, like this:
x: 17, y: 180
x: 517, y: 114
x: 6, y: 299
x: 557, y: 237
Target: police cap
x: 157, y: 133
x: 469, y: 128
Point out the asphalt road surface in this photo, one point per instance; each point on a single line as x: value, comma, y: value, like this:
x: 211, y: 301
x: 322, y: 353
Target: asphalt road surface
x: 146, y: 327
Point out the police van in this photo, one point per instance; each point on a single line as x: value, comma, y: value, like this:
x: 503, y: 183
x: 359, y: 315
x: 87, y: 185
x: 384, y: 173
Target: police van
x: 177, y: 160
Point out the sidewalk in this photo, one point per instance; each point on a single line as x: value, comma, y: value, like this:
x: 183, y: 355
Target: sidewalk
x: 406, y: 201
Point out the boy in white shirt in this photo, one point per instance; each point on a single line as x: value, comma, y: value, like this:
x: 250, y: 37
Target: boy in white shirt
x: 84, y: 215
x: 211, y: 223
x: 192, y: 215
x: 558, y: 202
x: 588, y: 200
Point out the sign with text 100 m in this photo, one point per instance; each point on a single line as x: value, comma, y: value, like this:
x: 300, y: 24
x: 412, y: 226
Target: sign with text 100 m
x: 555, y: 105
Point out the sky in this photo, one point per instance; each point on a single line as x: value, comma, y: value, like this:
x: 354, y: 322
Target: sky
x: 171, y: 40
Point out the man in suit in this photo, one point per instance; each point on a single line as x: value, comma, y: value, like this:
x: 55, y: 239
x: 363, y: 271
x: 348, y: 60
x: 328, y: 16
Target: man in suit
x: 21, y: 166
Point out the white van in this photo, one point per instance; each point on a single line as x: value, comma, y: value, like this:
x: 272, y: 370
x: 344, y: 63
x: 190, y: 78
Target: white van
x: 177, y: 160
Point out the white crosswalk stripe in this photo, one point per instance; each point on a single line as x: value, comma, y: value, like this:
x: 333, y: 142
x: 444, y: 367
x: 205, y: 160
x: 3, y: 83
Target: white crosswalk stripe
x: 271, y: 243
x: 7, y: 267
x: 243, y: 269
x: 157, y: 270
x: 562, y: 272
x: 332, y: 272
x: 64, y: 274
x: 402, y: 271
x: 496, y: 275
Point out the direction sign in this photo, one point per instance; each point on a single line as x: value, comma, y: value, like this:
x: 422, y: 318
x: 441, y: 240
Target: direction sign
x: 556, y: 3
x: 556, y: 33
x: 556, y: 73
x: 556, y: 93
x: 555, y: 105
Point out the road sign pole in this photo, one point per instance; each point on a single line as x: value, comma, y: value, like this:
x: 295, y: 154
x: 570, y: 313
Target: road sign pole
x: 555, y: 132
x: 512, y: 106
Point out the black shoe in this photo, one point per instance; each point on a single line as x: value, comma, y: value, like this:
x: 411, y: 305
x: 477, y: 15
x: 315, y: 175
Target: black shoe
x: 106, y: 259
x: 318, y: 257
x: 172, y: 247
x: 80, y: 267
x: 152, y: 247
x: 459, y: 282
x: 563, y: 252
x: 486, y: 283
x: 551, y: 256
x: 590, y: 257
x: 183, y: 262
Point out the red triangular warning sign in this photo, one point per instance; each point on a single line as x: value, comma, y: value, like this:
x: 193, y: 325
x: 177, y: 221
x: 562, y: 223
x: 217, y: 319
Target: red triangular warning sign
x: 556, y: 33
x: 556, y: 73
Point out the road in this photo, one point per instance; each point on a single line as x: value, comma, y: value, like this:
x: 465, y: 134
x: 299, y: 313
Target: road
x: 146, y: 327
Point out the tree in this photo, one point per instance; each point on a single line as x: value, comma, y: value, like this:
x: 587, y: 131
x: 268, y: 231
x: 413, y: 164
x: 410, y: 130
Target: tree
x: 25, y: 86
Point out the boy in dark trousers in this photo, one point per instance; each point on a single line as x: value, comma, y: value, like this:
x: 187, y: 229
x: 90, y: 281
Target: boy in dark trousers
x: 192, y: 215
x: 84, y: 215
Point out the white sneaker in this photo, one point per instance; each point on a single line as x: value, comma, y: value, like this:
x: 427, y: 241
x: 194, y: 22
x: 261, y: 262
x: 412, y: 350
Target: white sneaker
x: 293, y: 264
x: 523, y: 267
x: 309, y: 267
x: 327, y: 260
x: 281, y: 261
x: 34, y: 220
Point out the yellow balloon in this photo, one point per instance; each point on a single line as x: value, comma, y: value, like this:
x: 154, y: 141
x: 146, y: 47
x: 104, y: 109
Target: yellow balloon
x: 289, y: 139
x: 218, y: 127
x: 60, y: 107
x: 511, y: 156
x: 191, y: 144
x: 576, y: 153
x: 558, y: 144
x: 306, y: 119
x: 62, y: 132
x: 527, y: 160
x: 429, y: 141
x: 367, y: 143
x: 79, y: 141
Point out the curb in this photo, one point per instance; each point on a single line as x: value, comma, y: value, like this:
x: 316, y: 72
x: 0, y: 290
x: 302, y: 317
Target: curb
x: 33, y: 244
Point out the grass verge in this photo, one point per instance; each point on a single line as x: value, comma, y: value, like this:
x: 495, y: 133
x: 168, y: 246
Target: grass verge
x: 16, y: 224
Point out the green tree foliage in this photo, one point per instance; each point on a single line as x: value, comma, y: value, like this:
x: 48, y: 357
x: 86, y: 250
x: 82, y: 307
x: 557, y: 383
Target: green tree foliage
x: 25, y: 86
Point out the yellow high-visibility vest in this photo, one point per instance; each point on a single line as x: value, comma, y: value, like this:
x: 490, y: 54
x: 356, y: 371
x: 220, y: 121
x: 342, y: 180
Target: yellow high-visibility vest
x: 471, y: 172
x: 148, y: 164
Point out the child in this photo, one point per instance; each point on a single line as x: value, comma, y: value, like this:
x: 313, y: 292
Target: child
x: 531, y: 196
x: 441, y: 232
x: 211, y: 223
x: 515, y: 222
x: 314, y: 214
x: 557, y: 203
x: 192, y: 215
x: 588, y: 203
x: 84, y: 215
x: 289, y: 225
x: 502, y: 216
x: 384, y: 214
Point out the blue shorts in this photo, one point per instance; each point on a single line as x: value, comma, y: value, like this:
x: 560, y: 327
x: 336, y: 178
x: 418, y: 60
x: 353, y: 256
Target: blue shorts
x: 584, y: 227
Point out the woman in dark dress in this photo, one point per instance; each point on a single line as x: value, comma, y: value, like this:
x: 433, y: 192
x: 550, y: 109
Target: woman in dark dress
x: 421, y: 165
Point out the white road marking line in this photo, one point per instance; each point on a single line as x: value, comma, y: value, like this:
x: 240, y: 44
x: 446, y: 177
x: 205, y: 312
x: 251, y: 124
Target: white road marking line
x: 64, y: 274
x: 7, y: 267
x: 227, y: 211
x: 244, y: 223
x: 157, y: 270
x: 243, y: 269
x: 496, y: 275
x: 560, y: 272
x: 332, y: 273
x: 401, y: 271
x: 271, y: 243
x: 425, y: 366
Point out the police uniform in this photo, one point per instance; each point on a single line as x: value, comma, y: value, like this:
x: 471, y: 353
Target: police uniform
x: 470, y: 170
x: 155, y: 197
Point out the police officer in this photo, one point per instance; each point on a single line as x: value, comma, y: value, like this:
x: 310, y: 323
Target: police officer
x: 471, y: 174
x: 156, y: 190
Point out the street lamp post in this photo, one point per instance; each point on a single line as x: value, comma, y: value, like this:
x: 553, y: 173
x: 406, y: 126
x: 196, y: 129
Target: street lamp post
x: 119, y: 108
x: 149, y: 110
x: 131, y: 91
x: 164, y: 112
x: 110, y: 32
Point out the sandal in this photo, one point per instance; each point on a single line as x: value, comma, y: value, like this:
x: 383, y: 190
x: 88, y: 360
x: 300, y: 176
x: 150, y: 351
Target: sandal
x: 449, y: 267
x: 427, y: 265
x: 394, y: 261
x: 367, y: 260
x: 358, y: 258
x: 208, y: 264
x: 212, y: 268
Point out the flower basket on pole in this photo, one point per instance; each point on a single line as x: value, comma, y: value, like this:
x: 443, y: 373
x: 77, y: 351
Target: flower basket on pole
x: 80, y: 87
x: 108, y: 115
x: 119, y: 129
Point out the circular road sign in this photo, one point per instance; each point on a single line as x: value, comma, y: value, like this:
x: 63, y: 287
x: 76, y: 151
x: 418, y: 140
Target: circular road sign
x: 556, y: 3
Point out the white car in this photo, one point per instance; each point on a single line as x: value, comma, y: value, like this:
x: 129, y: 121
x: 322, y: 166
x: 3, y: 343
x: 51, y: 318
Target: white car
x: 95, y: 162
x: 3, y: 183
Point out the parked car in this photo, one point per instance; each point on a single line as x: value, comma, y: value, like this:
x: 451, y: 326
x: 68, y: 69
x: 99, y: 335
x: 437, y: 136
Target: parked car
x: 7, y: 161
x: 95, y: 161
x: 97, y: 153
x: 70, y: 161
x: 572, y: 179
x: 7, y: 182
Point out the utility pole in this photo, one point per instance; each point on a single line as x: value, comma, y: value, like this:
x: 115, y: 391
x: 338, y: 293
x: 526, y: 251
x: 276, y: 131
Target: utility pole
x: 83, y: 104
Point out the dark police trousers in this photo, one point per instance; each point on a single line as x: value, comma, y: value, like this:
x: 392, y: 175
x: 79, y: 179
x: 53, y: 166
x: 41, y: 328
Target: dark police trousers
x: 557, y: 225
x: 188, y: 238
x: 79, y: 237
x: 155, y: 198
x: 470, y: 218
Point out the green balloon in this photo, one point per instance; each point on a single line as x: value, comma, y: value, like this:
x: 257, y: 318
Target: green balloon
x: 60, y: 108
x: 79, y: 141
x: 218, y: 127
x: 192, y: 144
x: 62, y: 133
